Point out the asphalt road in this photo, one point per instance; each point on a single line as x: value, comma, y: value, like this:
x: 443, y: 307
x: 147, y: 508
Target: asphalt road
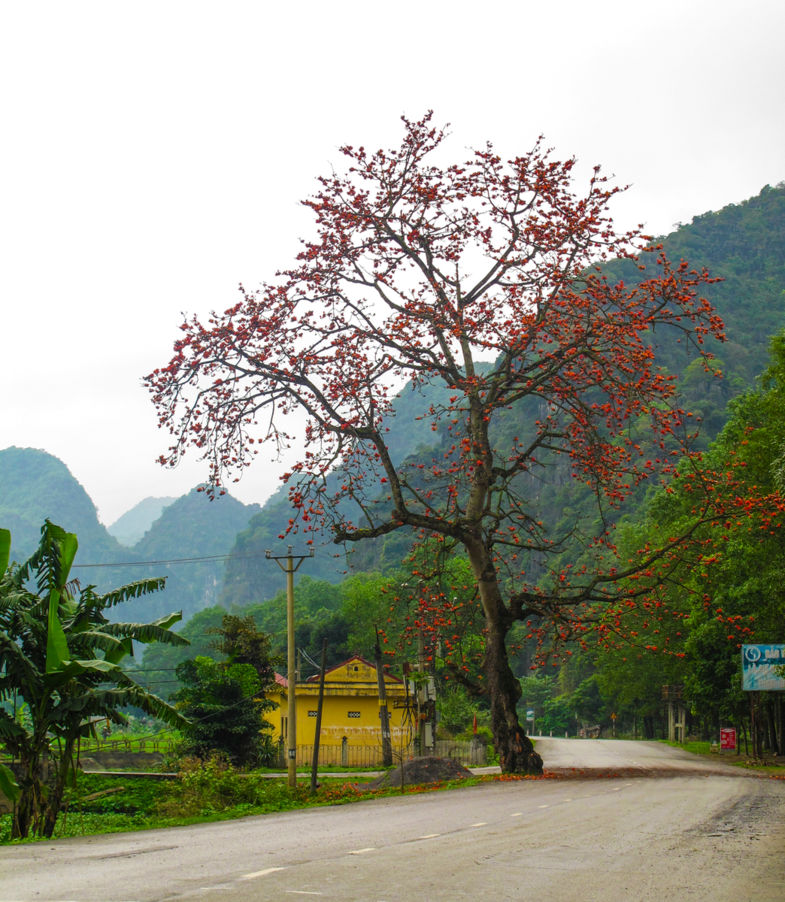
x: 667, y: 827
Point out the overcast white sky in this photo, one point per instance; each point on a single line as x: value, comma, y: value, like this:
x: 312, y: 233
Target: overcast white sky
x: 154, y: 153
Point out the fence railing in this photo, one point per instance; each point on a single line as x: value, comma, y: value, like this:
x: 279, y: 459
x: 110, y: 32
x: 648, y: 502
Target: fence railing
x: 470, y: 754
x: 161, y: 744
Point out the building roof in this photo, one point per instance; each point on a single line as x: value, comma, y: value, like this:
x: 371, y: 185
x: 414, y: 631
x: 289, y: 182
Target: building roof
x: 340, y: 672
x: 353, y: 670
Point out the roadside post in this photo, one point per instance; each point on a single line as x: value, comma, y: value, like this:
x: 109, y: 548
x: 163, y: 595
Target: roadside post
x: 291, y: 672
x: 530, y: 721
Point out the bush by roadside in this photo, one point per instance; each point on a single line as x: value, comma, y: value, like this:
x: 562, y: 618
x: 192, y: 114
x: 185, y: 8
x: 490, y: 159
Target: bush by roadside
x: 203, y: 791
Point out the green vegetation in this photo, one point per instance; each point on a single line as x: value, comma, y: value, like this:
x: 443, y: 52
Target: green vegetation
x: 705, y: 611
x: 224, y: 701
x: 203, y: 791
x: 60, y: 670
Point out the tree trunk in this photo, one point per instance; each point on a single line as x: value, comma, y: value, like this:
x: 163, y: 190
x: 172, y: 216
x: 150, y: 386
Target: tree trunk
x: 59, y: 772
x: 514, y: 748
x: 27, y: 811
x: 24, y: 808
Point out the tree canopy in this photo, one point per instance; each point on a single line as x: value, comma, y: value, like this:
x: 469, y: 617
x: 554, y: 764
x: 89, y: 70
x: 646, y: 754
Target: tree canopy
x: 482, y: 277
x: 224, y: 701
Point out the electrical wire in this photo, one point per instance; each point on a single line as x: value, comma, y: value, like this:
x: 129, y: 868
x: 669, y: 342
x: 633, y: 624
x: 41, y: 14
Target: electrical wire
x: 177, y: 560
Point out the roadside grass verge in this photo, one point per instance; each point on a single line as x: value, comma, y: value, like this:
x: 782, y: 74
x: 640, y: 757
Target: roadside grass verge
x: 704, y: 748
x: 200, y: 794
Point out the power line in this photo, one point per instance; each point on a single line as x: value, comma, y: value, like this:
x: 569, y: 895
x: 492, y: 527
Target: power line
x: 177, y: 560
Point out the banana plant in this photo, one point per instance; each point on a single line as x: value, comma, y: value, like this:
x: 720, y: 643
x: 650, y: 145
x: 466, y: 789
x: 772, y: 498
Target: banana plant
x: 61, y: 656
x: 8, y: 785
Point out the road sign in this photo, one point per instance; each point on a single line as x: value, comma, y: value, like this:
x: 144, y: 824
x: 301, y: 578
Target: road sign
x: 763, y: 668
x: 530, y: 714
x: 727, y: 737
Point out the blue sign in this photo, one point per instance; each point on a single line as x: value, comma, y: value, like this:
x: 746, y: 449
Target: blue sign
x: 763, y: 668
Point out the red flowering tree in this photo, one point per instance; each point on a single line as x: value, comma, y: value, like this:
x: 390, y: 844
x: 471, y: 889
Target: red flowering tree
x: 480, y: 278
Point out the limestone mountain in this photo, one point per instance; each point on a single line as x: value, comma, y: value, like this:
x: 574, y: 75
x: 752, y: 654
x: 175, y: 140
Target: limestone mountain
x: 133, y: 524
x: 35, y: 486
x: 193, y: 527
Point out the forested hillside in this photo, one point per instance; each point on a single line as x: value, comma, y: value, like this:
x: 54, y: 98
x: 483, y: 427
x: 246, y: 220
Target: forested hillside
x: 743, y: 245
x: 35, y: 486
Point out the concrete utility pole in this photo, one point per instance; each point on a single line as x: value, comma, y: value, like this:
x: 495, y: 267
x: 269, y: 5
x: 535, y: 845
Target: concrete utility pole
x: 291, y: 675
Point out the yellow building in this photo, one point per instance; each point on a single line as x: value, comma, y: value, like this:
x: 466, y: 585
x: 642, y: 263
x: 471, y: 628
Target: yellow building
x: 351, y: 727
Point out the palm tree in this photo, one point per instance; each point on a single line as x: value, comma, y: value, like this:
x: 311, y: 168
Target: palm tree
x: 60, y: 663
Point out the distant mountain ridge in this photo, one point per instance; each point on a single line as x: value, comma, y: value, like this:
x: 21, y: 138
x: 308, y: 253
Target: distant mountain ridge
x: 133, y: 524
x: 35, y: 485
x: 743, y: 244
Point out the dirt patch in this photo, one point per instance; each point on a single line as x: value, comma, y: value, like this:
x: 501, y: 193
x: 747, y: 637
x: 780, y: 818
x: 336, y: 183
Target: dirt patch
x: 422, y: 770
x: 599, y: 773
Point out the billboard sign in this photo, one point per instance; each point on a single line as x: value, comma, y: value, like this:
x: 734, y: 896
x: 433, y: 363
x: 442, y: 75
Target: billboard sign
x: 763, y: 668
x: 727, y: 738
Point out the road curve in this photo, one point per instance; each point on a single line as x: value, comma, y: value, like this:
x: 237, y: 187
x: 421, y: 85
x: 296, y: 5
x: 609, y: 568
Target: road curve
x: 633, y: 758
x: 693, y: 836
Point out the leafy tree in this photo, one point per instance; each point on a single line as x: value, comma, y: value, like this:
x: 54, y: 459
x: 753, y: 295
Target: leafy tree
x: 737, y: 594
x: 223, y: 704
x: 224, y: 700
x: 421, y: 273
x: 60, y: 659
x: 724, y: 590
x: 242, y: 643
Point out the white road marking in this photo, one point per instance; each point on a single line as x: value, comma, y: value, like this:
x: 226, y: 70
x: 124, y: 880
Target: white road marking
x: 542, y: 806
x: 517, y: 814
x: 254, y: 874
x: 480, y: 824
x: 429, y: 835
x: 362, y: 851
